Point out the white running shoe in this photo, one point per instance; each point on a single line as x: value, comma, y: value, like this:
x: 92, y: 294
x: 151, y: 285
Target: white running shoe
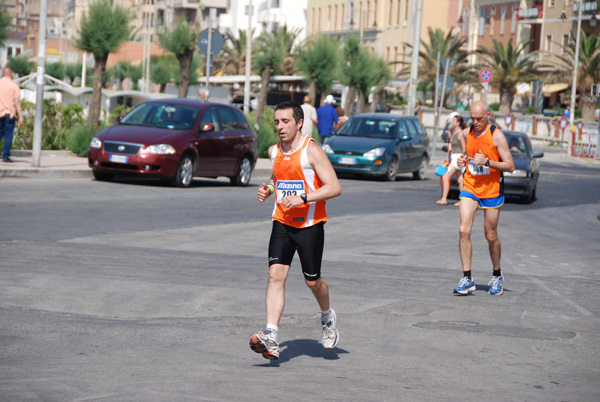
x: 331, y: 336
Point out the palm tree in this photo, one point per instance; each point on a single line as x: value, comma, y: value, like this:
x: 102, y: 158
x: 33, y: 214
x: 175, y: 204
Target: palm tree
x: 181, y: 41
x: 113, y: 22
x: 588, y: 70
x: 381, y: 75
x: 318, y: 60
x: 510, y: 65
x: 233, y: 56
x: 5, y: 23
x: 447, y: 45
x: 286, y: 39
x: 267, y: 63
x: 351, y: 69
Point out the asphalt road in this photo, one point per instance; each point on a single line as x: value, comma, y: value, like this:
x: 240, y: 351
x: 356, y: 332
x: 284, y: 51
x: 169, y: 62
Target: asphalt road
x: 132, y: 291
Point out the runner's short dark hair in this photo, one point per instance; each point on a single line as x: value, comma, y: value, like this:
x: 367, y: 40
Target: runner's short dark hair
x: 297, y: 111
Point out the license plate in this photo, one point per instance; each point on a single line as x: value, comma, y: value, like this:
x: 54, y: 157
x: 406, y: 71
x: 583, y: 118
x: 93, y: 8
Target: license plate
x: 347, y: 161
x: 119, y: 158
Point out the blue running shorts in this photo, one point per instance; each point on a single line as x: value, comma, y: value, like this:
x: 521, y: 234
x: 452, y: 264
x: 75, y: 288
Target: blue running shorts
x: 485, y: 203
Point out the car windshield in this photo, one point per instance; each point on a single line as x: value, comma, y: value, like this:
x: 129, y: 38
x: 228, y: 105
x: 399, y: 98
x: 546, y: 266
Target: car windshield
x: 516, y: 144
x: 163, y: 115
x: 365, y: 127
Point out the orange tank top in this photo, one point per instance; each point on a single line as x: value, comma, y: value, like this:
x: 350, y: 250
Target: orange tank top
x: 479, y: 180
x: 294, y: 175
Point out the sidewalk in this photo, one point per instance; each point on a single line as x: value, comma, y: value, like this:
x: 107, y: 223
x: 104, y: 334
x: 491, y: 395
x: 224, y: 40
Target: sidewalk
x: 62, y: 164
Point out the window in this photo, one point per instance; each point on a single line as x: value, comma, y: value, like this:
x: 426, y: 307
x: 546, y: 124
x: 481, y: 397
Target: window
x: 390, y: 13
x: 227, y: 119
x: 398, y: 13
x: 551, y: 3
x: 565, y: 43
x: 210, y: 117
x: 502, y: 18
x: 465, y: 27
x: 549, y: 43
x: 242, y: 122
x: 412, y: 131
x: 406, y: 13
x: 513, y: 26
x: 329, y: 18
x: 335, y: 15
x: 482, y: 21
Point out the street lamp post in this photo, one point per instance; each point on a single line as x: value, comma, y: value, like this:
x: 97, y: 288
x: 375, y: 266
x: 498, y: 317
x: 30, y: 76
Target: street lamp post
x: 414, y: 62
x: 248, y: 61
x: 574, y: 84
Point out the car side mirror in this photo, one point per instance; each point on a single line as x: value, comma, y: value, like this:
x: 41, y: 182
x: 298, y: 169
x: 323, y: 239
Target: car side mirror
x: 205, y: 128
x: 445, y: 148
x: 538, y: 154
x: 118, y: 119
x: 332, y: 132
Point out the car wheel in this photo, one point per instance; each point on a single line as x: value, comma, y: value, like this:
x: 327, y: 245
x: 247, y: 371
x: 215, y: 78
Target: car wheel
x: 242, y: 178
x: 102, y: 176
x: 185, y: 172
x: 420, y: 174
x: 392, y: 171
x: 528, y: 199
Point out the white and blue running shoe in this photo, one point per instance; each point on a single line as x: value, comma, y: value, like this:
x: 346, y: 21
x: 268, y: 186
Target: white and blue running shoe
x: 495, y: 285
x: 465, y: 286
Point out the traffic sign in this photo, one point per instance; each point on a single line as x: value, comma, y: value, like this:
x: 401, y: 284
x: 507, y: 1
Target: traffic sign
x: 486, y: 75
x: 508, y: 119
x: 563, y: 122
x: 216, y: 42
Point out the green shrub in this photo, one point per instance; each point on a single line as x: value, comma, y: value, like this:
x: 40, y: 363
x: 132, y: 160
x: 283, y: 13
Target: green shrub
x: 79, y: 138
x: 495, y: 107
x: 530, y: 109
x: 265, y: 134
x: 57, y: 120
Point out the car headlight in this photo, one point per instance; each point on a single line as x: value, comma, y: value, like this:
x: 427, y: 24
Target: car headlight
x: 160, y: 149
x: 376, y: 152
x: 96, y: 143
x: 327, y: 149
x: 517, y: 173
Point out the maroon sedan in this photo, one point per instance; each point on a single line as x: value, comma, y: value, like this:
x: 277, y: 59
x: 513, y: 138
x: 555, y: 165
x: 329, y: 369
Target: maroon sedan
x: 177, y: 139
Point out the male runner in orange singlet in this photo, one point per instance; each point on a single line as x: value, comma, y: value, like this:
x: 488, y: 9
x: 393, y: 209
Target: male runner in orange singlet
x: 487, y: 157
x: 302, y: 180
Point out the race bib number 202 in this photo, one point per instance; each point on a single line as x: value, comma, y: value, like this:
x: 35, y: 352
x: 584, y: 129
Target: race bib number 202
x: 285, y: 188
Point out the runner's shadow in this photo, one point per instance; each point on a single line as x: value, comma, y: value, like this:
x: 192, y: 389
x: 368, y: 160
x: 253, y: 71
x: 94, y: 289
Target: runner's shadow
x: 304, y: 347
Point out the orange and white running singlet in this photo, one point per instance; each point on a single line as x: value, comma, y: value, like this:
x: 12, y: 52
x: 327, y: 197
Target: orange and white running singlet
x: 479, y: 180
x: 293, y: 176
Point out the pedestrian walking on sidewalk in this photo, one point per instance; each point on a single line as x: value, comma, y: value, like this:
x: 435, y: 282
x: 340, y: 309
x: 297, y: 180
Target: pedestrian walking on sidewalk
x: 302, y: 180
x: 10, y: 107
x: 487, y: 156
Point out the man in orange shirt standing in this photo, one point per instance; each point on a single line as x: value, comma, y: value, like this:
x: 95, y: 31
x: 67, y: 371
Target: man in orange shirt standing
x: 10, y: 106
x: 487, y: 156
x: 302, y: 180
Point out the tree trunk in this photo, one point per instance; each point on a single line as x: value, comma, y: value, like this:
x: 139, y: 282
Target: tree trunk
x: 588, y: 107
x: 262, y: 96
x: 349, y: 103
x: 507, y: 95
x: 360, y: 104
x: 312, y: 90
x: 185, y: 65
x: 377, y: 94
x: 96, y: 99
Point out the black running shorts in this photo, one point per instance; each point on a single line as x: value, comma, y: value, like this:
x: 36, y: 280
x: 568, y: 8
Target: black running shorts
x: 285, y: 240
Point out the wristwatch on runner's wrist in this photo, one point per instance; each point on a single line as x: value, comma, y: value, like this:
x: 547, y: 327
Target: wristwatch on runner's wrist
x: 304, y: 199
x: 487, y: 162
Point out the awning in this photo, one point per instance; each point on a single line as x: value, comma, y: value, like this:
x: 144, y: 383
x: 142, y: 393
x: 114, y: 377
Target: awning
x: 549, y: 89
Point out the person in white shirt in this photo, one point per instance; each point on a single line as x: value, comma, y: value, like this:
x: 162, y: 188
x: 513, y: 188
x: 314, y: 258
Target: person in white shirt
x: 310, y: 116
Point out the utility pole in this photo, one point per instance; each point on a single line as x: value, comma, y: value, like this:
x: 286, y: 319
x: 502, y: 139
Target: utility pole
x: 211, y: 14
x: 248, y: 61
x: 414, y: 62
x: 574, y: 85
x: 39, y: 87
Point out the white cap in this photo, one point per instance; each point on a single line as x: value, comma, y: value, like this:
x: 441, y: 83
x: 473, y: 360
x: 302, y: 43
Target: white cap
x: 329, y: 99
x: 451, y: 116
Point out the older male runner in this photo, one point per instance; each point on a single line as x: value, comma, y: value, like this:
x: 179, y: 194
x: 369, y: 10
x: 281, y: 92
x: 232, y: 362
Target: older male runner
x: 487, y: 157
x: 302, y: 180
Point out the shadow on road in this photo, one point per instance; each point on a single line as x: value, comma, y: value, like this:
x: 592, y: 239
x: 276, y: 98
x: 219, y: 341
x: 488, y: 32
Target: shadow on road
x: 304, y: 347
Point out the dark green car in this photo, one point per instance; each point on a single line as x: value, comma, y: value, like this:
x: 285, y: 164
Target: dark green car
x: 379, y: 144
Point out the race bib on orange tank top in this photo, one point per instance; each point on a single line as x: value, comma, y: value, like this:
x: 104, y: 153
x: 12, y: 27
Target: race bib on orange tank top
x: 294, y: 175
x: 479, y: 180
